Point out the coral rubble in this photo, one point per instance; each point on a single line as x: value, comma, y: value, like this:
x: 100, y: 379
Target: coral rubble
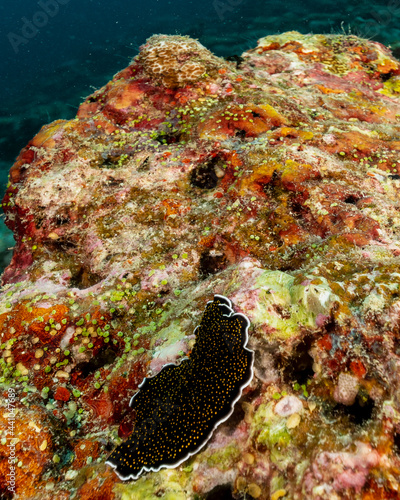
x: 273, y: 180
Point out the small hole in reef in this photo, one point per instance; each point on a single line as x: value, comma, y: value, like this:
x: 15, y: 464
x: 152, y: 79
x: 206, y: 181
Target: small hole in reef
x: 298, y: 367
x: 351, y: 199
x: 103, y: 357
x: 235, y: 419
x: 112, y: 159
x: 396, y: 443
x: 241, y: 134
x: 274, y: 186
x: 211, y: 262
x: 204, y: 176
x: 223, y: 492
x: 359, y: 412
x: 396, y: 348
x: 386, y: 76
x: 237, y: 59
x: 82, y: 278
x: 38, y: 222
x: 165, y: 138
x: 4, y: 494
x: 62, y: 244
x: 109, y: 447
x: 207, y: 175
x: 297, y: 209
x: 62, y: 219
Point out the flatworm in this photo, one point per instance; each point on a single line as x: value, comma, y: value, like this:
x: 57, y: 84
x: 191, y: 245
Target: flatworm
x: 178, y: 409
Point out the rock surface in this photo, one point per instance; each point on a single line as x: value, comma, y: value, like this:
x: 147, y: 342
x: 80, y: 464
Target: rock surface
x: 273, y: 180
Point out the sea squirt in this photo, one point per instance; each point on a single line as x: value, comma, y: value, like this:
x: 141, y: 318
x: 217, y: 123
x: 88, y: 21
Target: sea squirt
x: 178, y: 409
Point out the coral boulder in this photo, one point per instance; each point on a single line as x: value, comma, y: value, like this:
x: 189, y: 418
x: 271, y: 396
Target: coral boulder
x: 273, y: 181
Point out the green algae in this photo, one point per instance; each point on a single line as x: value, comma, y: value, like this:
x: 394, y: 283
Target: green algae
x: 269, y: 429
x: 225, y: 457
x: 168, y: 482
x: 285, y: 306
x: 171, y: 334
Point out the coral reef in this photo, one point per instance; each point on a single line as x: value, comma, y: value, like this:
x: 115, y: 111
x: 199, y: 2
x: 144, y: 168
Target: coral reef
x: 272, y: 180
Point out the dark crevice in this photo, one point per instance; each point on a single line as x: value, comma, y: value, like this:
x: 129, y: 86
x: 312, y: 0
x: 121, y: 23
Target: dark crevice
x: 39, y: 222
x: 105, y: 356
x: 113, y: 159
x: 111, y: 182
x: 396, y: 347
x: 300, y: 211
x: 386, y: 76
x: 204, y: 176
x: 288, y: 267
x: 396, y: 443
x: 61, y: 220
x: 236, y: 59
x: 5, y: 494
x: 211, y: 262
x: 359, y: 412
x: 274, y: 186
x: 330, y: 324
x: 169, y: 138
x: 297, y: 209
x: 82, y: 278
x: 352, y: 199
x: 298, y: 368
x: 235, y: 419
x: 241, y: 134
x: 62, y: 244
x: 109, y: 446
x: 223, y: 492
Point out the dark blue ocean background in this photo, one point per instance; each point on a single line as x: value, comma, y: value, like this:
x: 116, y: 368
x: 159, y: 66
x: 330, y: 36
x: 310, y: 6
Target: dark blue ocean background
x: 47, y: 72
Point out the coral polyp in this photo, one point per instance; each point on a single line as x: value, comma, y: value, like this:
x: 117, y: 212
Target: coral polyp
x: 176, y: 61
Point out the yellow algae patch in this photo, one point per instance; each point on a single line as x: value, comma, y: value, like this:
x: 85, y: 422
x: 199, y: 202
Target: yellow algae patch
x: 294, y: 172
x: 44, y: 138
x: 305, y: 135
x: 387, y: 65
x: 260, y: 176
x: 326, y: 90
x: 248, y: 119
x: 125, y: 94
x: 272, y: 113
x: 168, y: 482
x: 391, y: 87
x: 278, y: 494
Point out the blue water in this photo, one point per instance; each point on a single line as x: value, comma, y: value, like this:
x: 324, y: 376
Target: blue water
x: 55, y: 52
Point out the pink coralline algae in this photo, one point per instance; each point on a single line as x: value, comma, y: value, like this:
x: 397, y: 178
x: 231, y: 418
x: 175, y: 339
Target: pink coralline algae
x: 273, y: 181
x: 333, y: 472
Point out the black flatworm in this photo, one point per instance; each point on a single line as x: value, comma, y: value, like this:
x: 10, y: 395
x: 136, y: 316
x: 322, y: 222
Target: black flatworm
x: 178, y: 409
